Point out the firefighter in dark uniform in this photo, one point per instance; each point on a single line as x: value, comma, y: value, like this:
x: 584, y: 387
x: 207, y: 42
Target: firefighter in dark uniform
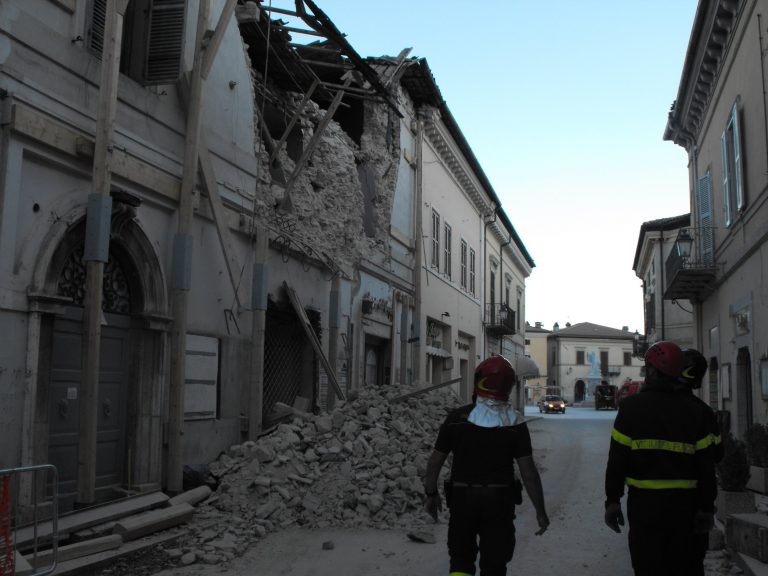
x: 661, y: 449
x: 485, y: 438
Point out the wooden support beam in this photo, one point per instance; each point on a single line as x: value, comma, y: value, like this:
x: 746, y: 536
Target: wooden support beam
x: 303, y: 31
x: 310, y: 332
x: 299, y: 167
x: 234, y: 268
x: 292, y: 123
x: 137, y: 526
x: 218, y: 35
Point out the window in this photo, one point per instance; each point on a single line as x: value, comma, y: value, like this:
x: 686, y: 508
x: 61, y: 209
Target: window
x: 153, y: 36
x: 580, y: 357
x: 448, y: 236
x: 627, y: 358
x: 603, y: 362
x: 493, y: 288
x: 463, y: 272
x: 733, y: 178
x: 201, y: 384
x: 706, y: 244
x: 435, y: 262
x: 472, y: 271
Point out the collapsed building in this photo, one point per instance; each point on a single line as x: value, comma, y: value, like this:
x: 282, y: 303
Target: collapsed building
x: 282, y: 224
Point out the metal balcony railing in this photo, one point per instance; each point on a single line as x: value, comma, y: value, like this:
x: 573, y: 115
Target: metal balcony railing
x: 499, y: 319
x: 692, y: 276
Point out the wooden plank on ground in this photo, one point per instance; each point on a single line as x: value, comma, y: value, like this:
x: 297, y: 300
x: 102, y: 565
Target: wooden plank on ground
x: 153, y: 521
x: 294, y: 298
x: 77, y: 550
x: 91, y: 517
x: 89, y: 564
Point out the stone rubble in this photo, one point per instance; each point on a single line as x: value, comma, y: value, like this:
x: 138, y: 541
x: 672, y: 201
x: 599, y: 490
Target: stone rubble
x: 361, y: 465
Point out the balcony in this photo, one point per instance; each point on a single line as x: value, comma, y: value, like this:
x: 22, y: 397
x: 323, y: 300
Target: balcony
x: 499, y: 320
x: 691, y: 276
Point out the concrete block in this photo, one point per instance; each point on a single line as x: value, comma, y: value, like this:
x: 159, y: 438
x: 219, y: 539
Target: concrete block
x: 748, y: 534
x: 191, y: 497
x: 154, y: 521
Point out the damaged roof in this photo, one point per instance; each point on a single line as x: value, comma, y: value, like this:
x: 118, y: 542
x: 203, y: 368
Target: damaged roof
x: 295, y: 66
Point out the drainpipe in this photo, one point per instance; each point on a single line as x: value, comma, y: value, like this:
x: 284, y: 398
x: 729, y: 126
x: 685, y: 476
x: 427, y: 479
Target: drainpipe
x: 96, y: 253
x: 485, y: 258
x: 416, y: 332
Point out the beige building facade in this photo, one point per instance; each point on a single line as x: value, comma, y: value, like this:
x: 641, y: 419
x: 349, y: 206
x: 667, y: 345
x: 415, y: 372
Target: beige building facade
x: 581, y: 356
x: 536, y: 350
x: 720, y: 117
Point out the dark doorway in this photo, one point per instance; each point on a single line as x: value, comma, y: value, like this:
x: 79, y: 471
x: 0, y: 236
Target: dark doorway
x: 744, y: 390
x: 578, y: 391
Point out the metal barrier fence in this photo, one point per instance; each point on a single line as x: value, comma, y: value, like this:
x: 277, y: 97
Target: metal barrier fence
x: 29, y: 504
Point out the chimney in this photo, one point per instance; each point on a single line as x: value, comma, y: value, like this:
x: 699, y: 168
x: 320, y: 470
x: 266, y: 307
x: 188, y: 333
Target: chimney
x: 625, y: 328
x: 556, y: 327
x: 539, y: 324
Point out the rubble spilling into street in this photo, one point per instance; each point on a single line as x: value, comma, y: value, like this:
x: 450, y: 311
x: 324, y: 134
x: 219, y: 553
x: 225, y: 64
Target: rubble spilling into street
x: 360, y: 464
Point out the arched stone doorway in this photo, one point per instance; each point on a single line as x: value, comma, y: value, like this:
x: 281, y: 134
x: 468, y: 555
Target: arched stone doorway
x: 132, y: 363
x: 578, y: 391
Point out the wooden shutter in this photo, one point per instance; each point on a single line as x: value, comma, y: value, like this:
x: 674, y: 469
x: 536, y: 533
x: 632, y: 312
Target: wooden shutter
x: 165, y: 41
x: 726, y: 178
x: 704, y: 218
x: 738, y: 177
x: 97, y: 19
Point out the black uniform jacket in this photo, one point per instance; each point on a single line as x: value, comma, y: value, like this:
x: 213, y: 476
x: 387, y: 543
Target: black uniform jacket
x: 482, y: 455
x: 662, y: 441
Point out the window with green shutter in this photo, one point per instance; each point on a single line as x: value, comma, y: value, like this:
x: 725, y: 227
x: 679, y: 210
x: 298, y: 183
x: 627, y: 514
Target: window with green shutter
x: 733, y: 177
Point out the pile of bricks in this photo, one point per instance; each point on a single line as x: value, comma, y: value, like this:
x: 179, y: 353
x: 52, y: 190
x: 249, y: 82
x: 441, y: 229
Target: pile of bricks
x: 360, y: 465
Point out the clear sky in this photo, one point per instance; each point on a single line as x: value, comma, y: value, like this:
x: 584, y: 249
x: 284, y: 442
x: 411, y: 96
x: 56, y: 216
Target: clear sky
x: 564, y: 103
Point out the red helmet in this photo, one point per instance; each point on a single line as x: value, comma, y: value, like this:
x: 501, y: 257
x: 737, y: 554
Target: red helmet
x: 694, y: 368
x: 494, y: 378
x: 666, y: 357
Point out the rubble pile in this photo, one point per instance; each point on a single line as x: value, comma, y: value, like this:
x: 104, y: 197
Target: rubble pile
x: 360, y: 465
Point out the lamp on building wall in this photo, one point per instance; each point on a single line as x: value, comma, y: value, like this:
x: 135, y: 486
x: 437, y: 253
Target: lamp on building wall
x: 684, y: 243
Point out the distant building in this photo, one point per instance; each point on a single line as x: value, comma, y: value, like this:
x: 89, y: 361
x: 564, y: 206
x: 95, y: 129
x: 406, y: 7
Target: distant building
x: 536, y: 350
x: 581, y: 356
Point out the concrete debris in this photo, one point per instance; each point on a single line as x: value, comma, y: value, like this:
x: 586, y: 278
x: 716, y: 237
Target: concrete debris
x: 359, y: 466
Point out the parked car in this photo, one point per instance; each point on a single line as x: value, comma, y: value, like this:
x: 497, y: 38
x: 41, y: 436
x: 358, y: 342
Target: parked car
x: 552, y: 403
x: 605, y: 396
x: 627, y: 389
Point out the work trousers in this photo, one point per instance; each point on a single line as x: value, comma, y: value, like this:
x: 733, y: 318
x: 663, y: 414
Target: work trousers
x: 482, y: 519
x: 662, y: 536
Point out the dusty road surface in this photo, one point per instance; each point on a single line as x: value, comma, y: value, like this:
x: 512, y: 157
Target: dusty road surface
x: 570, y: 450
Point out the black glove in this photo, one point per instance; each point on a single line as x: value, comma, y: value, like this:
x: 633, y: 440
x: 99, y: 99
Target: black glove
x: 613, y: 516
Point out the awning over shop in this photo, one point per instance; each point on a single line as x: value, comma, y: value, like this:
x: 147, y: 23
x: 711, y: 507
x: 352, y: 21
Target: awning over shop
x: 525, y: 367
x: 437, y: 352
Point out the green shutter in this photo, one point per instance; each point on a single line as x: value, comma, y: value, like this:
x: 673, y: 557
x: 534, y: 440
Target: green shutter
x: 704, y: 218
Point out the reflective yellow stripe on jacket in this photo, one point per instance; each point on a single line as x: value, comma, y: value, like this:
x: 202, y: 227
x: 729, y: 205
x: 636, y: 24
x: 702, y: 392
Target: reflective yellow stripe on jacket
x: 652, y: 444
x: 660, y: 484
x: 666, y: 445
